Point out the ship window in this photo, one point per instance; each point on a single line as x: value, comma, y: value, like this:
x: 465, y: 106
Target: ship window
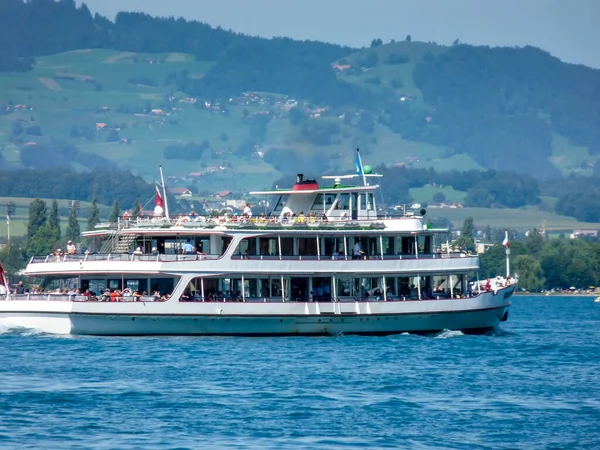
x: 319, y: 203
x: 307, y: 246
x: 280, y: 203
x: 268, y: 246
x: 247, y: 246
x: 332, y: 245
x: 163, y: 285
x: 287, y: 246
x: 343, y: 201
x: 368, y: 205
x: 96, y: 286
x: 54, y: 283
x: 388, y: 245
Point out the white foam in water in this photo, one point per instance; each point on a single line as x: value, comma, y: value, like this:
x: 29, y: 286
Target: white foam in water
x: 9, y: 328
x: 449, y: 334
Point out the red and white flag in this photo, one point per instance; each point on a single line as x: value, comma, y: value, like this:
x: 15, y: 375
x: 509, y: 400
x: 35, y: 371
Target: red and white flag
x: 4, y: 281
x: 159, y: 199
x: 505, y: 241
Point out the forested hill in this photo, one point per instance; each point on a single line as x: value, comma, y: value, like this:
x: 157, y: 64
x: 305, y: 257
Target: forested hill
x: 463, y: 107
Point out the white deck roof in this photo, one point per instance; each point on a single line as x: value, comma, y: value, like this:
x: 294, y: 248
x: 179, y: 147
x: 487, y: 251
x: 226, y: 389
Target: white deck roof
x: 327, y: 190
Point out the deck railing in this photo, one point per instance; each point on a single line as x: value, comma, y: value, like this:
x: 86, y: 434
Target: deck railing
x: 119, y: 257
x: 187, y: 258
x: 235, y: 221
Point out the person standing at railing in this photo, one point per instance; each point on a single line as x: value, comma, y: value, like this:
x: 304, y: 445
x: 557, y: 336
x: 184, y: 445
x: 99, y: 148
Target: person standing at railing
x: 188, y: 248
x: 357, y: 252
x: 20, y: 289
x: 71, y: 248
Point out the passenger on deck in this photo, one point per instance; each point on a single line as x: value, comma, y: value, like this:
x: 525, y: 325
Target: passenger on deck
x: 357, y: 252
x: 188, y: 248
x: 301, y: 218
x: 154, y: 251
x: 248, y: 210
x: 138, y: 251
x: 323, y: 217
x: 186, y: 296
x: 71, y: 248
x: 488, y: 285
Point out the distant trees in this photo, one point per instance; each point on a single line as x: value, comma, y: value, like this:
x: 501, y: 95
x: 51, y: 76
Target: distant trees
x: 258, y: 127
x: 320, y: 132
x: 439, y: 197
x: 376, y: 42
x: 395, y: 58
x: 54, y: 221
x: 42, y: 231
x: 38, y: 215
x: 60, y: 154
x: 115, y: 213
x: 137, y: 209
x: 73, y: 232
x: 187, y: 152
x: 94, y: 217
x: 297, y: 114
x: 104, y: 185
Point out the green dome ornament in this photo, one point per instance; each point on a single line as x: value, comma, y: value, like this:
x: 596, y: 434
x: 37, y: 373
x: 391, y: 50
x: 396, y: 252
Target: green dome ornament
x: 368, y: 170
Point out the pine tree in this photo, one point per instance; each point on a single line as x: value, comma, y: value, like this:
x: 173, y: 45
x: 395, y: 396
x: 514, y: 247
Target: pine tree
x: 73, y: 229
x: 13, y: 256
x: 38, y: 215
x: 137, y: 209
x: 115, y: 213
x: 94, y: 218
x: 42, y: 241
x: 54, y: 221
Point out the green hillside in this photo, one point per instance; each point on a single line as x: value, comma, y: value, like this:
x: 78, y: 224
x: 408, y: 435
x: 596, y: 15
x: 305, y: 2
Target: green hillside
x: 240, y: 112
x: 83, y: 88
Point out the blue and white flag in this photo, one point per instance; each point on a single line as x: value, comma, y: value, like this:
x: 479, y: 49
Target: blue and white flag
x: 359, y: 167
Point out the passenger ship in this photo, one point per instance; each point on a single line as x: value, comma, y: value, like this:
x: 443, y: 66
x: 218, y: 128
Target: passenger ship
x: 322, y: 263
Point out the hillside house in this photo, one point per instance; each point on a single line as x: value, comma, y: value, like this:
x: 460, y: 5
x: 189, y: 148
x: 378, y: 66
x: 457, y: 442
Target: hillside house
x: 195, y: 174
x: 181, y: 192
x: 222, y: 194
x: 341, y: 67
x: 157, y: 112
x: 101, y: 126
x: 581, y: 233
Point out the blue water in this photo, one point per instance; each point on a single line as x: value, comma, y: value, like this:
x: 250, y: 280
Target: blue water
x: 534, y: 384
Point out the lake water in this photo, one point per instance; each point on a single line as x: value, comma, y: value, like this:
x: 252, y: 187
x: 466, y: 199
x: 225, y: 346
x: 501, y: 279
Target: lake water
x: 533, y: 384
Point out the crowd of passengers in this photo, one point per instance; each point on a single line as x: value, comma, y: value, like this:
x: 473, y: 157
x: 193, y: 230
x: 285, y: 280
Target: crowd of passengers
x: 112, y: 295
x: 287, y: 216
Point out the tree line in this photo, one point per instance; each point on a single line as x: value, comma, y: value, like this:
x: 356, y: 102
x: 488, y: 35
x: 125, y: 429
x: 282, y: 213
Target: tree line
x: 101, y: 184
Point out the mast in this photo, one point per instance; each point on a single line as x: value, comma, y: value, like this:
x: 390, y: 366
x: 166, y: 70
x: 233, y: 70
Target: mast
x: 162, y: 180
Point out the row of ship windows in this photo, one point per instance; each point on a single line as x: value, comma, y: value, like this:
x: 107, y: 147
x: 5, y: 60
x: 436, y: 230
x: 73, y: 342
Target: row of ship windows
x: 297, y: 246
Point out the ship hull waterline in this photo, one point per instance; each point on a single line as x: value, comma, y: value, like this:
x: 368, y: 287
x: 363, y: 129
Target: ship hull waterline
x: 474, y: 315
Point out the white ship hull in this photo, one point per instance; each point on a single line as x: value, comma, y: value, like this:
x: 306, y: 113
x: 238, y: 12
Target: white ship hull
x: 472, y: 315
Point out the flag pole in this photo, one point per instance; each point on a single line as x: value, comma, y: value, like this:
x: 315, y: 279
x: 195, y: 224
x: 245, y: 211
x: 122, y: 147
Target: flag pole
x: 162, y: 180
x: 506, y: 244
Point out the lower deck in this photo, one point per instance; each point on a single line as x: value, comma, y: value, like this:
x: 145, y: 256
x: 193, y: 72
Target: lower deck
x: 173, y: 317
x: 258, y: 288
